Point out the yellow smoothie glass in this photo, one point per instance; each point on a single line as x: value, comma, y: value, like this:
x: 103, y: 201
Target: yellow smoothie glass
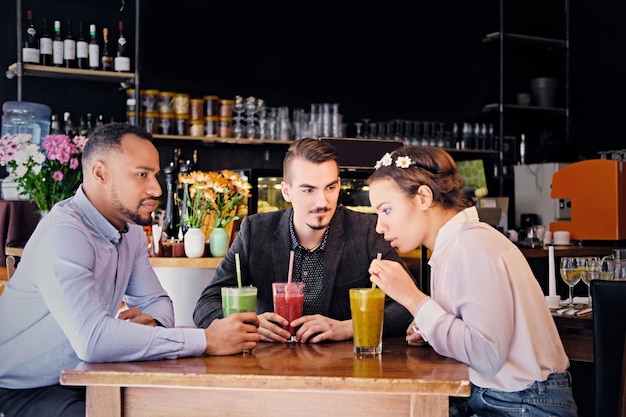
x: 368, y: 307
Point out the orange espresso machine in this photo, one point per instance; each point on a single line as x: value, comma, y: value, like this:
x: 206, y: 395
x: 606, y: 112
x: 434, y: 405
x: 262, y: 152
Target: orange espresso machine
x: 596, y: 189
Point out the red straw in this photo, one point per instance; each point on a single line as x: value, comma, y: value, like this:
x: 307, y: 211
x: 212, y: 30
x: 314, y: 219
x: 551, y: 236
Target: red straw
x: 290, y: 267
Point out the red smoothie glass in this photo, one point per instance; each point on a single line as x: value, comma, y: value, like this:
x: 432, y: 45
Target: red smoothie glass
x: 288, y: 301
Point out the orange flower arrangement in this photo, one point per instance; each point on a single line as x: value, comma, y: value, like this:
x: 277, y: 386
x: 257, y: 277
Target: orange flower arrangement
x: 214, y: 193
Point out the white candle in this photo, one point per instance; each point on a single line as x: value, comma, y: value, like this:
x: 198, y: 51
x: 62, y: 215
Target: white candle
x: 551, y: 272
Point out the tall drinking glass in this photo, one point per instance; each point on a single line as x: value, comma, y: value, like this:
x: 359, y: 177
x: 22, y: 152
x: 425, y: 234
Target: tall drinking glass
x: 571, y: 269
x: 367, y: 307
x: 288, y: 303
x: 589, y: 268
x: 620, y: 269
x: 238, y: 300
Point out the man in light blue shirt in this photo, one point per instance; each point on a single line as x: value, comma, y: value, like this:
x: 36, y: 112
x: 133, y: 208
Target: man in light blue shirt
x: 86, y: 256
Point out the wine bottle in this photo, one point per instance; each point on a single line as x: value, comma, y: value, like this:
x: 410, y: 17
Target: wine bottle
x: 195, y: 166
x: 45, y: 45
x: 185, y: 169
x: 89, y: 124
x: 57, y: 45
x: 30, y: 51
x: 68, y: 125
x: 94, y: 49
x: 171, y: 221
x: 55, y: 127
x: 82, y: 49
x: 69, y: 47
x: 121, y: 61
x: 106, y: 60
x: 82, y: 127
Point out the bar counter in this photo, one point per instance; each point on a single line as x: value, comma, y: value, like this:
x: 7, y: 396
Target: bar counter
x: 184, y: 262
x: 276, y: 379
x: 184, y: 279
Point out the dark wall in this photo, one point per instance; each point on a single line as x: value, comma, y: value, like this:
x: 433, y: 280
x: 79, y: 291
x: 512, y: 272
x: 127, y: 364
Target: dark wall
x: 380, y: 61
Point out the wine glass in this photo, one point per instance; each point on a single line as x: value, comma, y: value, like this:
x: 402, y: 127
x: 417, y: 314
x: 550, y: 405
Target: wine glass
x: 590, y: 268
x: 620, y: 269
x: 601, y: 269
x: 238, y: 109
x: 571, y: 273
x: 359, y: 132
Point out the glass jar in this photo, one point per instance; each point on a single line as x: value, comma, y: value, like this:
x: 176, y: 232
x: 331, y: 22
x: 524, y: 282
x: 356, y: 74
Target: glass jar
x: 182, y: 124
x: 211, y: 105
x: 196, y: 128
x: 149, y: 100
x: 26, y: 117
x: 167, y: 126
x: 150, y: 121
x: 166, y: 102
x: 210, y: 128
x: 226, y: 108
x: 196, y: 109
x: 225, y: 127
x: 181, y: 104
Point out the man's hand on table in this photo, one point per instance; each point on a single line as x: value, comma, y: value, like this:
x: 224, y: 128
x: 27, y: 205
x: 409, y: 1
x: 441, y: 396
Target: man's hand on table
x: 233, y: 334
x: 311, y: 329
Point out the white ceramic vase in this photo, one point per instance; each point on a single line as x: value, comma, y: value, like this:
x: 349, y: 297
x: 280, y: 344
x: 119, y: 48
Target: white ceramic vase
x: 194, y: 242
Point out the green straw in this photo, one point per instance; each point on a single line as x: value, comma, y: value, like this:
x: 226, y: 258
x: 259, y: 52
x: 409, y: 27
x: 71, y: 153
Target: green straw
x: 238, y: 265
x: 379, y: 257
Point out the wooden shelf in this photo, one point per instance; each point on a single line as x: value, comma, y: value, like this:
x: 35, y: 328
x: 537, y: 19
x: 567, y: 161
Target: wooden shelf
x: 71, y: 73
x: 235, y: 141
x: 184, y: 262
x: 538, y: 40
x: 495, y: 107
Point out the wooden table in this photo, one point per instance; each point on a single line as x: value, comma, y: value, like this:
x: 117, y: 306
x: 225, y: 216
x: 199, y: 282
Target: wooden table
x: 576, y: 335
x: 305, y: 380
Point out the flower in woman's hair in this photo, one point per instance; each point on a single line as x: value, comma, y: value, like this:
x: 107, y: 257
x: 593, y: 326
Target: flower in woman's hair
x: 403, y: 162
x: 385, y: 161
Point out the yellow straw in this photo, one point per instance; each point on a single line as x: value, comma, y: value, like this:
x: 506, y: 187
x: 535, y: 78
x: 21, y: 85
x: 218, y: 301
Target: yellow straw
x: 238, y: 265
x: 379, y: 257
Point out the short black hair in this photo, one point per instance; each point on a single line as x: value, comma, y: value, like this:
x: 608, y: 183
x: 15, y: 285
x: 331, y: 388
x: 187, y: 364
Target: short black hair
x: 108, y: 137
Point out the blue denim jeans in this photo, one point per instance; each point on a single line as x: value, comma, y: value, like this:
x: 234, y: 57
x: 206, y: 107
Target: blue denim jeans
x: 51, y: 401
x: 549, y: 398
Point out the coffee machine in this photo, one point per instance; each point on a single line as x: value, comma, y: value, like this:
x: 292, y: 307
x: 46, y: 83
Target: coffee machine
x: 597, y: 191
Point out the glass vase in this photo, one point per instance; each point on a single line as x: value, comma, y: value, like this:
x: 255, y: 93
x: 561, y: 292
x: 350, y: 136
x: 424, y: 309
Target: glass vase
x: 194, y: 242
x: 218, y: 242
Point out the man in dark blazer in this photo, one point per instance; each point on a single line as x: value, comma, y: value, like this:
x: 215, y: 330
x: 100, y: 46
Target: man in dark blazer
x: 333, y: 247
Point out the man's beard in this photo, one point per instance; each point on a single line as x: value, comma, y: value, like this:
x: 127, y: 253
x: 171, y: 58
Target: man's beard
x: 319, y: 225
x: 133, y: 216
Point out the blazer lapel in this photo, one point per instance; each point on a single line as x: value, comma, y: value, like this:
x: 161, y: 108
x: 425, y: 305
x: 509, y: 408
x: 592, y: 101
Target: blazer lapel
x: 281, y: 246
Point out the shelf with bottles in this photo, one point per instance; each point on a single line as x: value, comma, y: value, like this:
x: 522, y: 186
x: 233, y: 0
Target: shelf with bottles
x: 522, y: 108
x: 457, y: 153
x: 34, y: 70
x: 234, y: 141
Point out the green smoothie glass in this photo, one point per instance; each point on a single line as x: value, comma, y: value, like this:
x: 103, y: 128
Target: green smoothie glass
x: 238, y: 300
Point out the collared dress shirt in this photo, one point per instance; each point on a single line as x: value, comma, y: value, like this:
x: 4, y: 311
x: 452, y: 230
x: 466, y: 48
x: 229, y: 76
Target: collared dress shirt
x: 60, y: 305
x: 487, y: 308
